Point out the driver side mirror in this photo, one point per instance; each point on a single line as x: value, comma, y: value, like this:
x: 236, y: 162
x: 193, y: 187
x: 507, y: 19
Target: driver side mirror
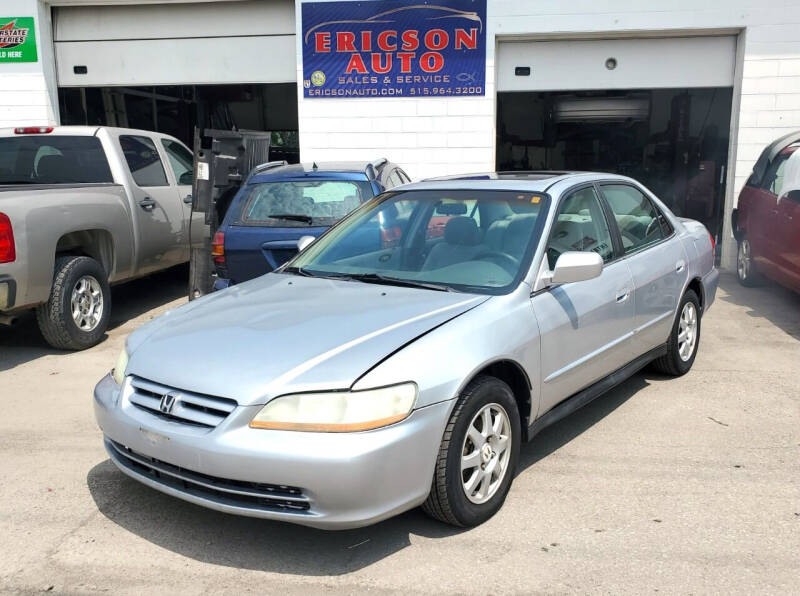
x: 793, y: 195
x: 575, y: 266
x: 304, y: 241
x: 186, y: 178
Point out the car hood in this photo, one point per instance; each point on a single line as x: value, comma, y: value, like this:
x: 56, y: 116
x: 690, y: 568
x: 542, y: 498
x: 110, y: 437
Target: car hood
x: 284, y: 333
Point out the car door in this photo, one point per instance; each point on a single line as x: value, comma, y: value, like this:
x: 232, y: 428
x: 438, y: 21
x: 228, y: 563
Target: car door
x: 181, y: 164
x: 788, y: 232
x: 157, y: 208
x: 656, y: 259
x: 585, y: 326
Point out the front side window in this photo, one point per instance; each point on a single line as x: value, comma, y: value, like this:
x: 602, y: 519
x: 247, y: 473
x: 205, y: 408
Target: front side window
x: 580, y: 226
x: 143, y: 161
x: 774, y: 178
x: 53, y: 159
x: 638, y: 220
x: 180, y: 160
x: 484, y: 245
x: 301, y: 203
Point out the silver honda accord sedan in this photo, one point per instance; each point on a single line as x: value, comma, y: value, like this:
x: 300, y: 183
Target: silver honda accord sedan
x: 403, y: 357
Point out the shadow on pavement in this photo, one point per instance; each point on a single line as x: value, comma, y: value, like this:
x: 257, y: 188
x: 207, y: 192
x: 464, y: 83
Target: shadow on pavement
x: 779, y: 305
x: 23, y: 343
x: 220, y: 539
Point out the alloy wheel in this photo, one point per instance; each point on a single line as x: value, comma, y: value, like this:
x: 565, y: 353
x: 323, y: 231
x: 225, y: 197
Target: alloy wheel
x: 87, y: 303
x: 687, y: 331
x: 486, y: 452
x: 743, y: 260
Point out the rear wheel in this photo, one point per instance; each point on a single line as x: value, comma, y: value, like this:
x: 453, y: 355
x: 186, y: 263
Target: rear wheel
x: 76, y: 315
x: 684, y: 339
x: 478, y: 455
x: 745, y: 266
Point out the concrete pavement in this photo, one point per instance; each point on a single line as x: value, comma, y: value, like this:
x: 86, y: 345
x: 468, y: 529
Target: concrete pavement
x: 687, y: 485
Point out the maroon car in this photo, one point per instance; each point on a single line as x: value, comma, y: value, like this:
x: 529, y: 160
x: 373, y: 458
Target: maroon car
x: 766, y: 222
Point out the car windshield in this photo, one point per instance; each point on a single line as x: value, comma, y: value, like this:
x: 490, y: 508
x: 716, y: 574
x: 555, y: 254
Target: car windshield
x: 302, y: 203
x: 471, y: 241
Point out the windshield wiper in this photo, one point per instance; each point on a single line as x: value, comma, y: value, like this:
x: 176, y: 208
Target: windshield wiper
x: 377, y: 278
x: 297, y: 271
x: 291, y: 217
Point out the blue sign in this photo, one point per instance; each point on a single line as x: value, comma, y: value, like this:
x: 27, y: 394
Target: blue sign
x: 394, y: 48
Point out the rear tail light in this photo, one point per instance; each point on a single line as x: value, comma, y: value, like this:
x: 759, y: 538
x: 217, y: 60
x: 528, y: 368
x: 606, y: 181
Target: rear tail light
x: 218, y: 248
x: 8, y: 253
x: 713, y: 248
x: 32, y: 130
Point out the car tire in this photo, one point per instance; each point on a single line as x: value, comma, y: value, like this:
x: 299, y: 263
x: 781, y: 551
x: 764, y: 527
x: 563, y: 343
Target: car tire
x: 746, y: 271
x: 466, y: 442
x: 76, y: 315
x: 680, y: 355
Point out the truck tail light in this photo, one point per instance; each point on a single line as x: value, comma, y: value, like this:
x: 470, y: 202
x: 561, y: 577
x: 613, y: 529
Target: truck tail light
x: 218, y: 248
x: 32, y: 130
x: 8, y: 253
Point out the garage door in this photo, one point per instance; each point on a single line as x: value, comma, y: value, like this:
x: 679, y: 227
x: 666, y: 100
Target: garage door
x: 174, y: 44
x: 616, y: 64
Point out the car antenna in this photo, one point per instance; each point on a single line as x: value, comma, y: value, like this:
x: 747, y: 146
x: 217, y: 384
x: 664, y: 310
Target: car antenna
x: 314, y: 166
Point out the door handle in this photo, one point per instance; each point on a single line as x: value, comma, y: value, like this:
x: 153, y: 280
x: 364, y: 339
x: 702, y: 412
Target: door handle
x: 680, y: 266
x: 623, y: 295
x: 147, y: 203
x: 188, y: 199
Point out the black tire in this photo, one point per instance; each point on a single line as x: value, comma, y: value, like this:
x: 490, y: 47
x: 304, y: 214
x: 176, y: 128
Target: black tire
x: 746, y: 271
x: 672, y: 363
x: 56, y: 323
x: 447, y: 501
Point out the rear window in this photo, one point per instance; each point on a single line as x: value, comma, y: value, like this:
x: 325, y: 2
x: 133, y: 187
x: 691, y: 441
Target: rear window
x: 40, y: 159
x: 302, y: 203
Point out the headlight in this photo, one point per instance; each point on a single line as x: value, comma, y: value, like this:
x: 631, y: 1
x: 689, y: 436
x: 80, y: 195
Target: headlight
x: 118, y: 373
x: 338, y: 412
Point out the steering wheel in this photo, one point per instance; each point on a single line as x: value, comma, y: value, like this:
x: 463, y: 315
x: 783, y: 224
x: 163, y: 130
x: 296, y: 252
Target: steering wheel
x: 505, y: 260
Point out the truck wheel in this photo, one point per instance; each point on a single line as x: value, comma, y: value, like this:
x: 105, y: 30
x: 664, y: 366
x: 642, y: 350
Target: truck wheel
x: 684, y: 340
x: 478, y: 455
x: 76, y: 315
x: 745, y: 266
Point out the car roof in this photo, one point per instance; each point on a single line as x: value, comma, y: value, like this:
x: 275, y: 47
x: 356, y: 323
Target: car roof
x: 346, y: 170
x: 529, y: 181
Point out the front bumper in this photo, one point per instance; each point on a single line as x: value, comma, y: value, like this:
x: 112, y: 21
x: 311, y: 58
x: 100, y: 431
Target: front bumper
x: 323, y: 480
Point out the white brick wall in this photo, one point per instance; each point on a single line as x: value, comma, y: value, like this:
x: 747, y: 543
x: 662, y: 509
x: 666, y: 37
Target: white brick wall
x: 443, y: 136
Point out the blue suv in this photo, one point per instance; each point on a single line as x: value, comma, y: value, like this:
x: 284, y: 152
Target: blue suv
x: 280, y: 203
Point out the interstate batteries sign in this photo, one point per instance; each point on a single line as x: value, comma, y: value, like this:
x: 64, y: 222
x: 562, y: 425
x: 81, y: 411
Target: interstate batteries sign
x: 391, y: 48
x: 17, y: 40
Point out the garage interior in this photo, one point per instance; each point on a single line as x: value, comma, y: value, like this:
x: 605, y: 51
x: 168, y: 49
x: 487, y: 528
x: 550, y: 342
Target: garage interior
x: 175, y: 110
x: 655, y: 108
x: 674, y: 141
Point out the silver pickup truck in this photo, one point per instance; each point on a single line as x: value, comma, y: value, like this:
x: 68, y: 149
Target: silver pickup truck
x: 82, y: 207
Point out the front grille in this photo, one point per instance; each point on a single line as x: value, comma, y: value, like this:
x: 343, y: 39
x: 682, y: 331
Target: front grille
x: 190, y: 408
x: 253, y: 495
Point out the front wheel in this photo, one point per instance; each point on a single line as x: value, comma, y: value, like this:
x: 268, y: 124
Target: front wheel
x: 76, y: 315
x: 478, y: 455
x: 683, y: 340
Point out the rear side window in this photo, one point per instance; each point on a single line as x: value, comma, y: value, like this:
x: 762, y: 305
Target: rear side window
x: 301, y: 203
x: 143, y: 160
x: 639, y: 222
x: 40, y: 159
x: 773, y: 179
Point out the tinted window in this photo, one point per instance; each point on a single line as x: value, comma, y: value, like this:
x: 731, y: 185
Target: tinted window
x: 638, y: 220
x: 40, y: 159
x: 143, y: 161
x: 580, y: 225
x: 301, y: 203
x: 773, y: 179
x: 180, y: 160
